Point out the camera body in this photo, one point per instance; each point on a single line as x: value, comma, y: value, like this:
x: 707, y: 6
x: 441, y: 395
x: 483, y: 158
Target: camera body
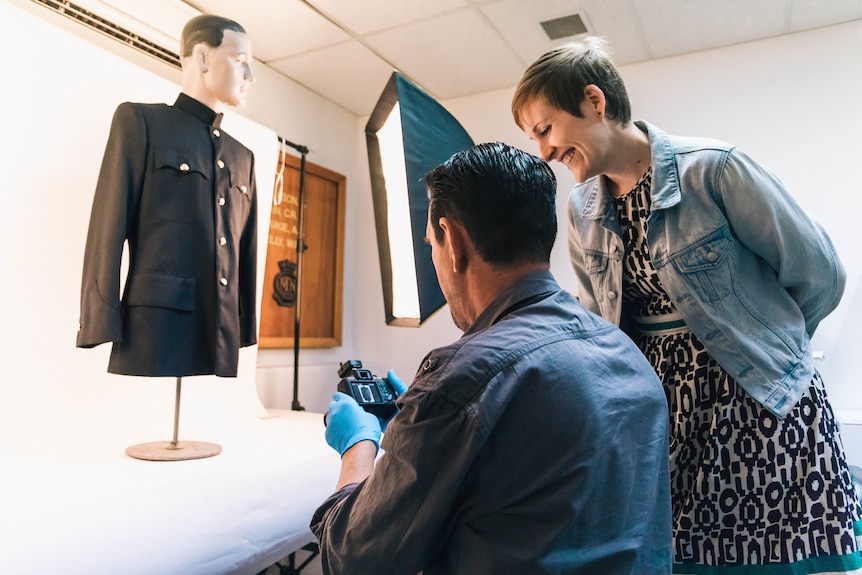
x: 374, y: 394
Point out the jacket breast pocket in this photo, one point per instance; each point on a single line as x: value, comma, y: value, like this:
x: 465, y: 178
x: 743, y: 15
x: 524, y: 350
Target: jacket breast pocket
x: 603, y: 270
x: 240, y: 197
x: 183, y: 162
x: 705, y: 265
x: 595, y: 262
x: 161, y: 290
x: 180, y: 189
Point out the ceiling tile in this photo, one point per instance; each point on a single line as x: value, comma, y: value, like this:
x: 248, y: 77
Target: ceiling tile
x: 679, y: 26
x: 168, y: 15
x: 520, y: 23
x: 277, y: 28
x: 345, y: 50
x: 348, y: 74
x: 453, y: 55
x: 366, y: 16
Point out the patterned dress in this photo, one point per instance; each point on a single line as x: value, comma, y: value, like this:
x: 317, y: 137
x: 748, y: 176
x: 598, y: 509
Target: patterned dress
x: 751, y: 493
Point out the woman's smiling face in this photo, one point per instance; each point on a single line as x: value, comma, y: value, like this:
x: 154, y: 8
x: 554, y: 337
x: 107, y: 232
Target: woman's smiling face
x: 578, y: 143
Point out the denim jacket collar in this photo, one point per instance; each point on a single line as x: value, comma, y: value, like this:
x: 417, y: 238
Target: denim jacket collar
x: 597, y: 202
x: 665, y: 193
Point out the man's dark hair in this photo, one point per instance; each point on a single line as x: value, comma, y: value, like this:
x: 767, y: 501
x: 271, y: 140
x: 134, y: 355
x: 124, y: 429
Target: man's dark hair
x: 504, y: 197
x: 206, y: 28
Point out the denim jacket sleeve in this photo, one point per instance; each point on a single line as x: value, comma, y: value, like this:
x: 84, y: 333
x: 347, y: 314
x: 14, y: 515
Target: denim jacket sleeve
x: 771, y: 224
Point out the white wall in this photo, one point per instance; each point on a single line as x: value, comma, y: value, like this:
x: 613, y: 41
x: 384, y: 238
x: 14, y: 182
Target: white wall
x: 61, y: 89
x: 791, y: 102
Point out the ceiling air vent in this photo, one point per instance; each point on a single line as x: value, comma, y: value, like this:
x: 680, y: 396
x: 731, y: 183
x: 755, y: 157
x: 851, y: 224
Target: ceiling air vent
x: 104, y: 26
x: 566, y: 26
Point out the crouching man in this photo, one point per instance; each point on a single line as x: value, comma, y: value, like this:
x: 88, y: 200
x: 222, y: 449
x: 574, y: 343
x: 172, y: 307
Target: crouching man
x: 536, y: 443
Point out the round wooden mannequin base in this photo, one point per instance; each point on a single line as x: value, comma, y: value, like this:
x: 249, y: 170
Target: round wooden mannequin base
x: 170, y: 451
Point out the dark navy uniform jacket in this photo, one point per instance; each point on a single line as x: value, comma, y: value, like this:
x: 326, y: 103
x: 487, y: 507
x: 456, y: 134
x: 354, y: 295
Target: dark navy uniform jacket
x: 182, y: 193
x: 536, y: 443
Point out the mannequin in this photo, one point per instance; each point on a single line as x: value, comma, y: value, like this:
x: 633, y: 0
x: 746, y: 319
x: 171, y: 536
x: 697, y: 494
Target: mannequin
x: 182, y: 193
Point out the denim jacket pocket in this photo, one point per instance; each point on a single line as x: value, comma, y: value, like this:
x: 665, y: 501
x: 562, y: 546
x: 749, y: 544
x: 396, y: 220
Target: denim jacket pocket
x: 605, y: 279
x: 705, y: 267
x: 595, y: 262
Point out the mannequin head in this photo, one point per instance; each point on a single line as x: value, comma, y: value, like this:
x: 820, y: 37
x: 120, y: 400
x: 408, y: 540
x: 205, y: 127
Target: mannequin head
x: 216, y: 61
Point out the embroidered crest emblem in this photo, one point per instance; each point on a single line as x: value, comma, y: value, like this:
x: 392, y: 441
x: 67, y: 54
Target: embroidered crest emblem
x: 284, y: 284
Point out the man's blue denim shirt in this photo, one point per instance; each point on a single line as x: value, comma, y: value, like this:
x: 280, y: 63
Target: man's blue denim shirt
x: 536, y: 443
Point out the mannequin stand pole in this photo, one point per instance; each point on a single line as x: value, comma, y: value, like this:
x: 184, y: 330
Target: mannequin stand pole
x: 174, y: 450
x: 174, y: 442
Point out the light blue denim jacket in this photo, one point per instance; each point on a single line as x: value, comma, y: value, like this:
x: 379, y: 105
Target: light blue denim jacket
x: 751, y: 273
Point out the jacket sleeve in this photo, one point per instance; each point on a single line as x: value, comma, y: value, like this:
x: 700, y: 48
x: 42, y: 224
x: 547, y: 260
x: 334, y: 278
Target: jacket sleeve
x: 248, y: 269
x: 399, y: 518
x: 114, y: 208
x: 769, y: 222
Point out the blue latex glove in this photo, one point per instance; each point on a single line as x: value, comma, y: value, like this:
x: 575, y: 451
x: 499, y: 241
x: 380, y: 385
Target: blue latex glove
x: 347, y: 424
x: 399, y: 387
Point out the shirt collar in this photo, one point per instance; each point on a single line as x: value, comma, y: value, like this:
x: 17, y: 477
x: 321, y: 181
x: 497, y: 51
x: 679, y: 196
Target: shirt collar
x: 200, y: 111
x: 665, y: 182
x: 530, y: 288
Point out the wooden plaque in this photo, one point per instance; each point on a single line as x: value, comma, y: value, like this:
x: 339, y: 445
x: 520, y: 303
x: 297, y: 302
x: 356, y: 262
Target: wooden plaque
x: 320, y: 296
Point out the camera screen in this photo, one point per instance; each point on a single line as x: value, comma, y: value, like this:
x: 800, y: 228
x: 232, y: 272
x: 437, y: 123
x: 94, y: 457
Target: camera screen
x: 366, y: 393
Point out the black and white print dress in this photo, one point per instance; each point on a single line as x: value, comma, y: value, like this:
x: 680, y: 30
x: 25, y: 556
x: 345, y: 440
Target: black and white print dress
x: 751, y: 493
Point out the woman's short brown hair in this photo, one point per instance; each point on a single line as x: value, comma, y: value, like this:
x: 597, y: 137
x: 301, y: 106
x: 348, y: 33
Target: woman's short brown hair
x: 560, y: 76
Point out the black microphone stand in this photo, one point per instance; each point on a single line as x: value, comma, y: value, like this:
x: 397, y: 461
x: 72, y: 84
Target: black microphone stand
x: 301, y: 246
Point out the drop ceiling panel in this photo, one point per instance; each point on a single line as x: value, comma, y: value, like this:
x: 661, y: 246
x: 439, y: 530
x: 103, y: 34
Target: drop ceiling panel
x: 345, y: 50
x: 682, y: 26
x: 367, y: 16
x: 520, y: 24
x: 348, y: 74
x: 170, y: 15
x: 453, y: 55
x: 277, y: 28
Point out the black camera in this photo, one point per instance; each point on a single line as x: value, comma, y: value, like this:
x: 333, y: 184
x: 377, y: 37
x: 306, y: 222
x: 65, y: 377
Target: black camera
x: 375, y: 395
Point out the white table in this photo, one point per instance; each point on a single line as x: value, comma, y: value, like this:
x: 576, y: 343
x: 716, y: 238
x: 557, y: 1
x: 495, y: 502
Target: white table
x: 71, y: 501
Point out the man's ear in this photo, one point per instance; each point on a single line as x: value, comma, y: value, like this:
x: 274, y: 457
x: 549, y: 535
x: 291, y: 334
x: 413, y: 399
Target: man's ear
x: 201, y: 53
x: 457, y: 241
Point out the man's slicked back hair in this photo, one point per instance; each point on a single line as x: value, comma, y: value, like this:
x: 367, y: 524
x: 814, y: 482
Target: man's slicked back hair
x: 504, y: 197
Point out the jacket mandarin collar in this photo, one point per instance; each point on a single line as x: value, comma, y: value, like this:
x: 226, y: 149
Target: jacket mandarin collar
x: 200, y: 111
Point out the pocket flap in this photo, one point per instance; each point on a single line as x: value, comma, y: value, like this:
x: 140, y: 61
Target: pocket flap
x: 707, y: 253
x: 182, y: 161
x: 161, y: 290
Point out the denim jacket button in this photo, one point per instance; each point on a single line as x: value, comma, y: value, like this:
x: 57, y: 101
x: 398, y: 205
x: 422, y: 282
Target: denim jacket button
x: 712, y: 256
x: 612, y: 295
